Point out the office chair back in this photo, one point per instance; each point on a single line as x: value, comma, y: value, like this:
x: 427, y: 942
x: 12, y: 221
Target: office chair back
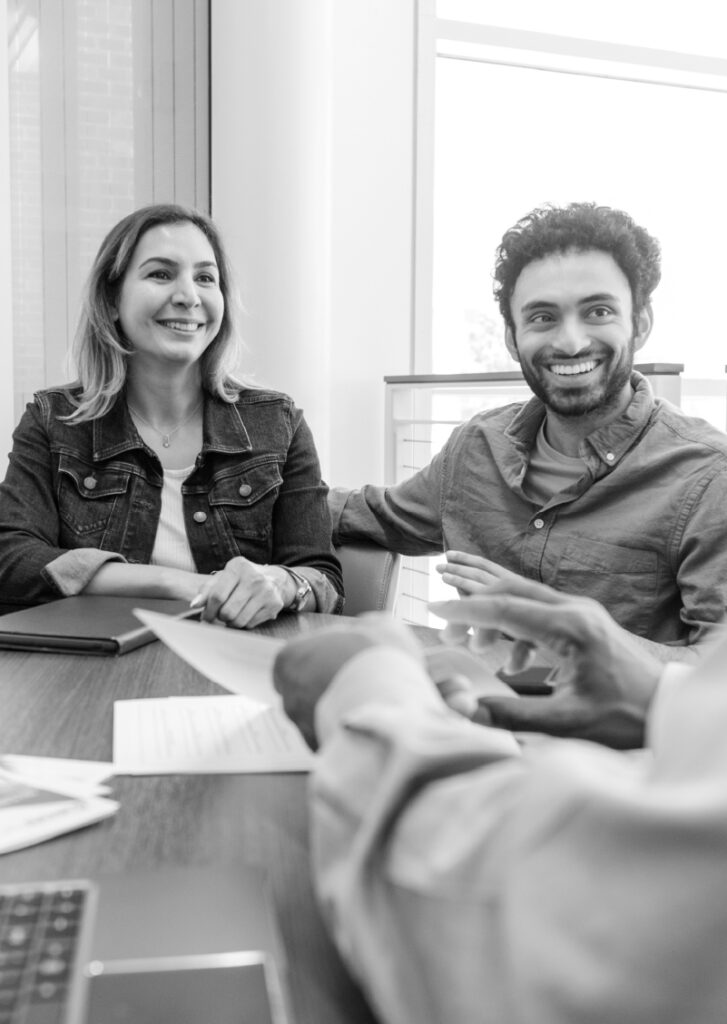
x: 370, y: 577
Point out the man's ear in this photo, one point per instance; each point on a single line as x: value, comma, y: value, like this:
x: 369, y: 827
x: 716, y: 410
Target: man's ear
x: 644, y: 323
x: 511, y: 344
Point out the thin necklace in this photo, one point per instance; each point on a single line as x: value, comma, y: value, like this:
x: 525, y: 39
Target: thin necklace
x: 166, y: 437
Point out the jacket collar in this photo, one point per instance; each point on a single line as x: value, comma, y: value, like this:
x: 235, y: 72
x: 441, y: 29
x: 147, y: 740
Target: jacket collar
x: 223, y: 429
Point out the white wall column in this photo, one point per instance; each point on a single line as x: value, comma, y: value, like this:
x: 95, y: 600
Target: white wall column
x: 7, y: 417
x: 312, y: 179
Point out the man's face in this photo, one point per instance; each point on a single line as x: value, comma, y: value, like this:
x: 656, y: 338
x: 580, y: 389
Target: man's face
x: 574, y: 334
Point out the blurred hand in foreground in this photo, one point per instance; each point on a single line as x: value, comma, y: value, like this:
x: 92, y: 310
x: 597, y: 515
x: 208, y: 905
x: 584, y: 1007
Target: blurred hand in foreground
x: 306, y: 665
x: 605, y: 680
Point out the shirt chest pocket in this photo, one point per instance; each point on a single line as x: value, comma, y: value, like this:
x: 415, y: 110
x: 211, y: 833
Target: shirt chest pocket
x: 245, y: 499
x: 623, y: 579
x: 90, y: 500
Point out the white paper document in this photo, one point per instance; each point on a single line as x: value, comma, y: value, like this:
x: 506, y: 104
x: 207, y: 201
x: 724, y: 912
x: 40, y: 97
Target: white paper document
x: 192, y: 735
x: 31, y: 812
x: 247, y: 732
x: 78, y: 778
x: 235, y: 659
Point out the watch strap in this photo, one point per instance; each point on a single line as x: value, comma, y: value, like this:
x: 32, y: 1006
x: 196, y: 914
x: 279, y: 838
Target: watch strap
x: 303, y: 588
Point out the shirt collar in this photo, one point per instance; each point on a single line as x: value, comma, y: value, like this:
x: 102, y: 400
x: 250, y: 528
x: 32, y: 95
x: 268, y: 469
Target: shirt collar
x: 609, y: 443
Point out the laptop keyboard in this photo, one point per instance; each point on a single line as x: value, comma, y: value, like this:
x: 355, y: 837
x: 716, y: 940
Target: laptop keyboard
x: 39, y: 929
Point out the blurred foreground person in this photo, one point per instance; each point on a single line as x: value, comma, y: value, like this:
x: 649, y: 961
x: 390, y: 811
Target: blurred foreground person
x: 469, y: 878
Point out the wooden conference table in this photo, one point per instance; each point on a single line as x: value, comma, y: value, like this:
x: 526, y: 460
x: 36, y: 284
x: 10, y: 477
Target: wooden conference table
x: 61, y: 705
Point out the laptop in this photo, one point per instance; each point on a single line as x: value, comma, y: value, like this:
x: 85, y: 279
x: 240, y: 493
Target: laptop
x: 86, y: 624
x: 186, y: 945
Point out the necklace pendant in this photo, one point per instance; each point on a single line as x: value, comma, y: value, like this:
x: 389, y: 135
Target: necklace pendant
x: 165, y: 440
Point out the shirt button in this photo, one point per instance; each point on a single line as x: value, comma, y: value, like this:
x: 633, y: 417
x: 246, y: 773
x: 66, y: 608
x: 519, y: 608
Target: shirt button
x: 539, y: 524
x: 90, y: 483
x: 200, y: 517
x: 610, y: 456
x: 245, y: 490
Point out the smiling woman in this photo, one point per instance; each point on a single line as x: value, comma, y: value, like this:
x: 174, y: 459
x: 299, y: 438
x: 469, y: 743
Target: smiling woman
x: 158, y: 472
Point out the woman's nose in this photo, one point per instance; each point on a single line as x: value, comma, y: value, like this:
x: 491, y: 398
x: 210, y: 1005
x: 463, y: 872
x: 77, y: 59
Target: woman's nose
x: 185, y: 294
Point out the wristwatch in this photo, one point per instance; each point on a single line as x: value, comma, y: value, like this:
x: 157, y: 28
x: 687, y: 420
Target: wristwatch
x: 303, y: 588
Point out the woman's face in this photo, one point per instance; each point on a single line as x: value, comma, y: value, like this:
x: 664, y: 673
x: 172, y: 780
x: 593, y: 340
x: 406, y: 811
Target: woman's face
x: 170, y: 306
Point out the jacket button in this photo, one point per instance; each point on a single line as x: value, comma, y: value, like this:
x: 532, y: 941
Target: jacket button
x: 245, y: 490
x: 200, y: 517
x: 90, y: 483
x: 539, y: 524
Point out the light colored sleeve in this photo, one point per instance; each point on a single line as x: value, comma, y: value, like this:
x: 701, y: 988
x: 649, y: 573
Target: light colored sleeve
x: 466, y: 882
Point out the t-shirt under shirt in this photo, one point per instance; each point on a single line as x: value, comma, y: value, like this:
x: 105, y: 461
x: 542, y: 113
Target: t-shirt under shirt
x: 171, y: 546
x: 549, y: 471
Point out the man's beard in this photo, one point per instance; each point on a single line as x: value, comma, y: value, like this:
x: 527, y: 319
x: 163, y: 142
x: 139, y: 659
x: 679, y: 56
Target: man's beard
x: 590, y: 398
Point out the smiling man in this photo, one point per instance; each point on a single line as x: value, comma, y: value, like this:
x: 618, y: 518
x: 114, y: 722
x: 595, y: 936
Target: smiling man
x: 594, y: 486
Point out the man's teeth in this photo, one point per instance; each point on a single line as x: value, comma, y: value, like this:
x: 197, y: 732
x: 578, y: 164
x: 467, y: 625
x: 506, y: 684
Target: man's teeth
x: 569, y: 369
x: 181, y: 325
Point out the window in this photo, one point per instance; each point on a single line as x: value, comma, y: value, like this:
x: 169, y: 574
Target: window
x: 522, y: 118
x: 108, y: 111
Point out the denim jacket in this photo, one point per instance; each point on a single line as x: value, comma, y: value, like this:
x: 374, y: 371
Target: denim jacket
x: 77, y: 496
x: 644, y: 530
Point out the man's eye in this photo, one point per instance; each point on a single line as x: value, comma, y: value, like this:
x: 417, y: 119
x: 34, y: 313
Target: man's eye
x: 540, y: 318
x: 599, y: 312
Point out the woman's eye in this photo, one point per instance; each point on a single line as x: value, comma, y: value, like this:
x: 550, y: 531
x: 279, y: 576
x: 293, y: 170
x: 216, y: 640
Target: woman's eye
x: 207, y: 279
x: 160, y: 275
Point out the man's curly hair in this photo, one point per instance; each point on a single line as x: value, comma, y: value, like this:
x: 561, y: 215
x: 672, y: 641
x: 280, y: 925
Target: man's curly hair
x: 580, y: 227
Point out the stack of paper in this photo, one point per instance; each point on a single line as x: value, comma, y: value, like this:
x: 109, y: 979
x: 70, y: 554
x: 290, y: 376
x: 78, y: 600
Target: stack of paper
x: 244, y: 731
x: 193, y: 735
x: 43, y: 797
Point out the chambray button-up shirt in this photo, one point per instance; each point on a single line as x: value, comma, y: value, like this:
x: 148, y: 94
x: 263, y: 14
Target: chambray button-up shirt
x: 643, y: 531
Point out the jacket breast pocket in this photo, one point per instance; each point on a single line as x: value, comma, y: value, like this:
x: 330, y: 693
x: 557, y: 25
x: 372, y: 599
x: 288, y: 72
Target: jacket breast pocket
x: 624, y: 580
x: 90, y: 501
x: 245, y: 499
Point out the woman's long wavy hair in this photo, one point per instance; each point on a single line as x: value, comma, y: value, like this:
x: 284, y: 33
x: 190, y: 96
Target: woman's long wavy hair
x: 101, y: 353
